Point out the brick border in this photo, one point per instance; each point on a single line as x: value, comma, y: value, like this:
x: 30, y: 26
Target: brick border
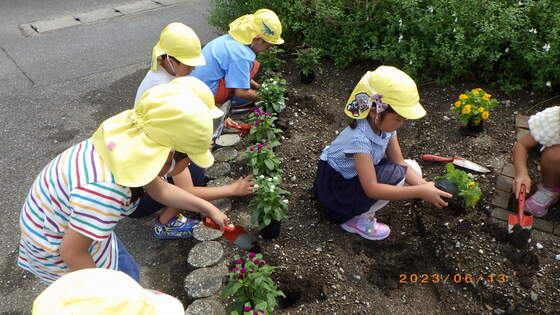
x: 503, y: 197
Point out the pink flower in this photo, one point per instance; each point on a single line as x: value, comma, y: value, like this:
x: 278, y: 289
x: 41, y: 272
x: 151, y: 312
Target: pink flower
x: 238, y: 261
x: 246, y: 308
x: 235, y: 269
x: 252, y: 255
x: 259, y: 150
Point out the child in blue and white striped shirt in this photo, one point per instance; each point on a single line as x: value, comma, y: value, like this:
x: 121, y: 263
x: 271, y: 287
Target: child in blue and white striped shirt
x: 363, y: 167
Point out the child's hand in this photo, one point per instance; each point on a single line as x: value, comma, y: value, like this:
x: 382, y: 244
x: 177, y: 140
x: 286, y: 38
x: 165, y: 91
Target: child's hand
x: 243, y: 186
x: 518, y: 181
x: 433, y: 195
x: 219, y: 218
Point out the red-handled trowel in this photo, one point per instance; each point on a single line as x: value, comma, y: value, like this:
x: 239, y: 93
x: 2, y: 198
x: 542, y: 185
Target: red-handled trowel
x: 237, y: 234
x: 459, y: 161
x: 525, y: 221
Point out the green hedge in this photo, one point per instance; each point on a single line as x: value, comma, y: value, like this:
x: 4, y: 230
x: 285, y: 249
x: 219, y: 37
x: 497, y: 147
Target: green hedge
x: 513, y: 43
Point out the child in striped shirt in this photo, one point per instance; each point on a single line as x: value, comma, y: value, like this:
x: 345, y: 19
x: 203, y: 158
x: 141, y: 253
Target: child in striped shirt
x: 68, y: 218
x: 363, y: 167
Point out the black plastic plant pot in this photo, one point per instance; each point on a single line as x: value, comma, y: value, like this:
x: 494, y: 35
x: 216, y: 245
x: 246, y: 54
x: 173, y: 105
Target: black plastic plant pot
x: 447, y: 185
x: 306, y: 78
x: 272, y: 230
x: 475, y: 128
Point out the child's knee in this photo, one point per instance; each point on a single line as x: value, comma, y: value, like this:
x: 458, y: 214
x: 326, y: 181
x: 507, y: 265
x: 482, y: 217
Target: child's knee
x: 415, y: 166
x: 551, y: 156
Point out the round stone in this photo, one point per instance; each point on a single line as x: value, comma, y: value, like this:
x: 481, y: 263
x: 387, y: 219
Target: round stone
x: 206, y: 307
x: 222, y: 204
x: 205, y: 254
x: 203, y: 233
x: 228, y: 140
x: 218, y: 170
x: 225, y: 154
x: 204, y: 282
x: 220, y: 182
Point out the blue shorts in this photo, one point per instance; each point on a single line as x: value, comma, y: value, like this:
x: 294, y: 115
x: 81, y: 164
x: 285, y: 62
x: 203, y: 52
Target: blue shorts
x: 342, y: 199
x: 126, y: 263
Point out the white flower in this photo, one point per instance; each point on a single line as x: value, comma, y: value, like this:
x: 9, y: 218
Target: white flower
x: 272, y: 187
x: 400, y: 37
x: 455, y: 20
x: 533, y: 30
x: 548, y: 83
x: 269, y: 179
x: 261, y: 177
x: 410, y: 62
x: 285, y: 201
x: 275, y: 177
x: 546, y: 47
x: 430, y: 9
x: 454, y: 30
x: 256, y: 186
x: 400, y: 22
x: 506, y: 50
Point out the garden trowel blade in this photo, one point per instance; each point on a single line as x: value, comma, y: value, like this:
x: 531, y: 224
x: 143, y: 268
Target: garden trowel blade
x: 470, y: 165
x: 237, y: 234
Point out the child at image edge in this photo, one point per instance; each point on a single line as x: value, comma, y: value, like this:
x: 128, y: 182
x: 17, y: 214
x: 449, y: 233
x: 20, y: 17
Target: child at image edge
x: 363, y: 168
x: 544, y: 129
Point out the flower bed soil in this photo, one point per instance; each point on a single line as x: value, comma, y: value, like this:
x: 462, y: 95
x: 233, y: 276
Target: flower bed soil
x: 329, y: 271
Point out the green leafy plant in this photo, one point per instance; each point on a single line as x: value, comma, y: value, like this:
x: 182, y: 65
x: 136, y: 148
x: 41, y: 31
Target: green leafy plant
x: 264, y: 127
x: 509, y: 42
x: 271, y: 95
x: 474, y: 106
x: 269, y: 202
x: 263, y: 160
x: 251, y: 287
x: 270, y: 60
x: 308, y: 59
x: 468, y: 187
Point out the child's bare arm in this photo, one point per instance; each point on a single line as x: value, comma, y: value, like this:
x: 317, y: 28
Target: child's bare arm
x: 241, y: 187
x: 395, y: 155
x: 173, y: 196
x: 368, y: 179
x: 74, y: 250
x: 519, y: 157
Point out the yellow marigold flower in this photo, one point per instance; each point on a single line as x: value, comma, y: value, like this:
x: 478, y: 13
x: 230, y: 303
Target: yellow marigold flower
x: 466, y: 110
x: 469, y: 106
x: 476, y: 121
x: 485, y: 115
x: 478, y: 89
x: 458, y: 104
x: 480, y: 109
x: 463, y: 97
x: 471, y: 184
x: 486, y: 95
x: 475, y: 92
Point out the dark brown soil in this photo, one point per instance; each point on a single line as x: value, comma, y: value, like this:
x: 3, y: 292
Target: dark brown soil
x: 480, y: 268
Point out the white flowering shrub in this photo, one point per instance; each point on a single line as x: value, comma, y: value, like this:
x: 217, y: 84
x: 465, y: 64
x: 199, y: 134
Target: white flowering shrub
x: 269, y: 202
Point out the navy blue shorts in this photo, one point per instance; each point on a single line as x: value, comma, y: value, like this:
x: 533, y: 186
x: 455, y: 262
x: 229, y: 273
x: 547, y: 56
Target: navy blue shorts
x: 148, y: 206
x: 342, y: 199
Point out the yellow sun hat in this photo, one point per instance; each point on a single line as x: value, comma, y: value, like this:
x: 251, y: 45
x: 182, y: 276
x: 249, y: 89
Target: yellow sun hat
x: 202, y: 91
x: 135, y: 143
x: 180, y: 42
x: 394, y: 87
x: 96, y: 291
x: 263, y: 23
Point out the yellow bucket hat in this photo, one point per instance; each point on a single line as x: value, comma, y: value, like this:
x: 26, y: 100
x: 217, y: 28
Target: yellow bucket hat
x: 103, y: 291
x: 179, y: 41
x: 135, y: 143
x: 202, y: 91
x: 263, y: 23
x: 391, y: 86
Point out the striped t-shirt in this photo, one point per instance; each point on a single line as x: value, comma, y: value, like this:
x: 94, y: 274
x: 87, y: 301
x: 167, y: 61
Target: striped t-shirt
x: 75, y: 190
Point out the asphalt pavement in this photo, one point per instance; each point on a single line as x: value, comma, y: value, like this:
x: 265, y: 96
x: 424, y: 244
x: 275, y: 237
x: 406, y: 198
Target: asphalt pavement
x: 56, y: 87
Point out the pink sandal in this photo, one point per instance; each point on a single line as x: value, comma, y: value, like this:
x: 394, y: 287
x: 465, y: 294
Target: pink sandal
x: 541, y: 200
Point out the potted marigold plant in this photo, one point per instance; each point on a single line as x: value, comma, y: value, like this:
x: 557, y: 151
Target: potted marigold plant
x: 474, y: 108
x: 458, y: 183
x: 309, y: 61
